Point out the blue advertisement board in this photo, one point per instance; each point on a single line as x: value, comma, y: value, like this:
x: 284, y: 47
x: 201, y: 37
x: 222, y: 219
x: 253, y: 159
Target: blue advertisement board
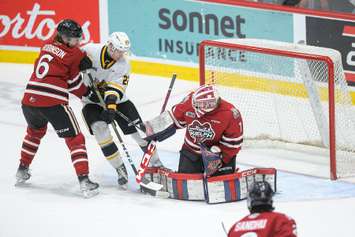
x: 173, y: 29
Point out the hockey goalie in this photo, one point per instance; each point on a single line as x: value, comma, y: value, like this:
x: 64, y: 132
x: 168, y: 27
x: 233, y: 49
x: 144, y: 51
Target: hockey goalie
x: 213, y: 127
x: 213, y: 138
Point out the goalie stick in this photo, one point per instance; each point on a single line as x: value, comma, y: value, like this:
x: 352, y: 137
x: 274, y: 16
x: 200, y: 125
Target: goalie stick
x: 146, y: 185
x: 152, y: 144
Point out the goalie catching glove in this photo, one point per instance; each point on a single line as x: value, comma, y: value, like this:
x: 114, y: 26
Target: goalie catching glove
x: 160, y: 127
x: 212, y: 159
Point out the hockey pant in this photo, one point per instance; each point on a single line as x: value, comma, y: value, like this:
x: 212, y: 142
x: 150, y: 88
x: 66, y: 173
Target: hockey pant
x: 62, y: 118
x: 191, y: 163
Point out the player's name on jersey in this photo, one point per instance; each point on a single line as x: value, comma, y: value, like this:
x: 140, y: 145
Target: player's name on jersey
x: 251, y: 225
x: 54, y: 50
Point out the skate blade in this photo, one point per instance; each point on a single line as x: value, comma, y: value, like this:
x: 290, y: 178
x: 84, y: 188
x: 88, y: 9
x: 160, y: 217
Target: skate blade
x: 90, y: 193
x: 20, y: 182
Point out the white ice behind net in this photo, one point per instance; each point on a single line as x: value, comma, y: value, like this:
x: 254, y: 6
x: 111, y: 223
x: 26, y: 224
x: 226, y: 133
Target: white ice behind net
x: 270, y: 92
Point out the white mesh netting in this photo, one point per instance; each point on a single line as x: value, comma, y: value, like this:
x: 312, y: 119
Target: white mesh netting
x: 284, y: 99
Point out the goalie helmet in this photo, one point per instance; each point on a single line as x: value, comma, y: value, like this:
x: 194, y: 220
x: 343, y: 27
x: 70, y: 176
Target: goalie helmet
x: 119, y: 41
x: 69, y: 28
x: 260, y: 197
x: 205, y: 99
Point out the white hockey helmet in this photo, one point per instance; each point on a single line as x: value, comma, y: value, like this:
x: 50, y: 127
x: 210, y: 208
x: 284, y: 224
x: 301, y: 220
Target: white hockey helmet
x: 119, y: 41
x: 205, y: 99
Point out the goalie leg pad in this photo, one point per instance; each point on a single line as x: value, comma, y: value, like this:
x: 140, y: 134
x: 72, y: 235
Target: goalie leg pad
x: 186, y: 186
x: 219, y: 189
x: 180, y: 186
x: 234, y: 187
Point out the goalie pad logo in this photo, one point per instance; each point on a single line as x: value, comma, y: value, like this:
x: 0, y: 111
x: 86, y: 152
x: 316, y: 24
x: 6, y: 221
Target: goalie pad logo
x: 200, y: 132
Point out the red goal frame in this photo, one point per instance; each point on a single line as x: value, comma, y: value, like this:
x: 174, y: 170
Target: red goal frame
x: 326, y: 59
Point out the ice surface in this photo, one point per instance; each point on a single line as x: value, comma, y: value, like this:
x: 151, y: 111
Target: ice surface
x: 51, y: 205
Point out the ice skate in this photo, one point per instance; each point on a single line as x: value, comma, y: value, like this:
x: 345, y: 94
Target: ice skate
x: 88, y: 188
x: 122, y: 177
x: 22, y: 174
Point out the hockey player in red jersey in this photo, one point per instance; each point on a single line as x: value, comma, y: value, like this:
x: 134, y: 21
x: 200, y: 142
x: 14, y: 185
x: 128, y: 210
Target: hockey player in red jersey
x: 263, y: 221
x: 56, y: 74
x: 213, y: 126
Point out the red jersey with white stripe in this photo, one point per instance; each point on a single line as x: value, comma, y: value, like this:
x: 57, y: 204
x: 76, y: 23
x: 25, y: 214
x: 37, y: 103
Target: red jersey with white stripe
x: 222, y: 127
x: 55, y: 75
x: 264, y: 224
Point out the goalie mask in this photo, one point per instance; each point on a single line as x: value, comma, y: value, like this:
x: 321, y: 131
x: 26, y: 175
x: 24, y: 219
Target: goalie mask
x: 260, y: 197
x: 205, y: 99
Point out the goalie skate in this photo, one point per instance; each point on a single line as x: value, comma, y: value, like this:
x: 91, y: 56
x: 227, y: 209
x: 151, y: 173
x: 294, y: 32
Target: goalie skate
x: 22, y: 174
x: 88, y: 188
x: 122, y: 177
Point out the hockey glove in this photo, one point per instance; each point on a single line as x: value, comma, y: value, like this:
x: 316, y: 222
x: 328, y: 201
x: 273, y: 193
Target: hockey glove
x: 109, y: 114
x: 85, y: 64
x: 212, y: 159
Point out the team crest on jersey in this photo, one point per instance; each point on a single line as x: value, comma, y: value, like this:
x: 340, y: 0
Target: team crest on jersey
x: 200, y: 132
x: 190, y: 114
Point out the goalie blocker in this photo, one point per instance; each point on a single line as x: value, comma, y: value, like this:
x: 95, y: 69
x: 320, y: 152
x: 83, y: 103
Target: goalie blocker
x: 218, y: 189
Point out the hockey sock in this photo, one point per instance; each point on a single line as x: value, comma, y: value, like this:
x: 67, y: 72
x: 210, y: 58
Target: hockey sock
x: 111, y: 153
x: 78, y: 154
x: 30, y: 144
x: 105, y: 141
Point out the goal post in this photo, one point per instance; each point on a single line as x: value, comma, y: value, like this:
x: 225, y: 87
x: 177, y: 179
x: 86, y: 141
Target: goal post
x: 289, y: 93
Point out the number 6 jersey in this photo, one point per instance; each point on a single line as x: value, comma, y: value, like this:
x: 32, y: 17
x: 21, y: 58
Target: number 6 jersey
x: 55, y: 75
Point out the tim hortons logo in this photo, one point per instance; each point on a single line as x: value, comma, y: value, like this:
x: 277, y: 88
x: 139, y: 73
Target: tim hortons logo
x: 200, y: 132
x: 42, y: 30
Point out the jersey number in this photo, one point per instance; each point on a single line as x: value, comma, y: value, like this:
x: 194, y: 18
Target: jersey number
x: 43, y: 66
x: 125, y: 80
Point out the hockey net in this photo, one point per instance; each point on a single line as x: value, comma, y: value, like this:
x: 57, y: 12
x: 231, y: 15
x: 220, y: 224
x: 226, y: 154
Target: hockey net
x: 290, y: 95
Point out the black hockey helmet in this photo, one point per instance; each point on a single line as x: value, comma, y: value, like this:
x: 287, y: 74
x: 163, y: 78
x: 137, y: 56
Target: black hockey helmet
x: 69, y: 28
x: 260, y: 197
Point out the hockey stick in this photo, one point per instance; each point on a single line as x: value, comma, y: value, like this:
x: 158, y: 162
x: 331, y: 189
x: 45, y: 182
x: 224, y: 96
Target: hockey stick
x: 146, y: 185
x: 224, y: 228
x: 168, y: 93
x: 152, y: 144
x: 141, y: 126
x: 137, y: 124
